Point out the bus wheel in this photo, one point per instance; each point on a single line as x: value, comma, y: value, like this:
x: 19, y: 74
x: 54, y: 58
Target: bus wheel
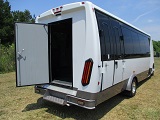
x: 153, y: 71
x: 133, y: 89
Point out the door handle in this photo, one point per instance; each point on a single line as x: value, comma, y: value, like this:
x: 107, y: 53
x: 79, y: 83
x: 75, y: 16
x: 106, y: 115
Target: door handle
x: 20, y: 53
x: 116, y: 64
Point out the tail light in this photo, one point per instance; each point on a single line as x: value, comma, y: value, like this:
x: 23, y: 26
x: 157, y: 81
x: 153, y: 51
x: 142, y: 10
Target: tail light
x: 87, y: 72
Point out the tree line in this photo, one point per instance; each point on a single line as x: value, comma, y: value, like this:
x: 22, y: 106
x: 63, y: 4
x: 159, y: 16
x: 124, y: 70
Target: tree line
x: 156, y: 46
x: 7, y: 20
x: 7, y: 47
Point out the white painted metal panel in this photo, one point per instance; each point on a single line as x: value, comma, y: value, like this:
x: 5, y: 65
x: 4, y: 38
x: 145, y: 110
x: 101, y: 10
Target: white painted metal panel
x: 135, y: 66
x: 79, y: 40
x: 31, y: 54
x: 118, y: 73
x: 108, y: 75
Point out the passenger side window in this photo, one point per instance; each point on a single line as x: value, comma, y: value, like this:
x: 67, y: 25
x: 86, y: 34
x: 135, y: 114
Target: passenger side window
x: 100, y: 18
x: 115, y: 28
x: 117, y: 46
x: 128, y: 43
x: 136, y: 44
x: 106, y: 36
x: 147, y: 46
x: 142, y: 44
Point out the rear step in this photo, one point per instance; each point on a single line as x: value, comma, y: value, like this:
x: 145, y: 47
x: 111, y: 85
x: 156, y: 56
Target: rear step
x: 57, y: 94
x: 50, y: 98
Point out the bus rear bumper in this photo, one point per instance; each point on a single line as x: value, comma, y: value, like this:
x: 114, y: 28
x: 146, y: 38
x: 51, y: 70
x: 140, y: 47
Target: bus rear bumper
x: 88, y: 104
x: 65, y: 99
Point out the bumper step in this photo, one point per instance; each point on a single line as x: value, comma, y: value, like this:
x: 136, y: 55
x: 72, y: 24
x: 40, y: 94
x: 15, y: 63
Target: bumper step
x: 53, y: 99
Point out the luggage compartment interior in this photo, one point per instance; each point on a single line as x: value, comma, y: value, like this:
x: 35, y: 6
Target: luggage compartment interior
x: 60, y: 36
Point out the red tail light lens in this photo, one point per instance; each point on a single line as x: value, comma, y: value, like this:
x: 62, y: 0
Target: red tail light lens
x: 87, y: 72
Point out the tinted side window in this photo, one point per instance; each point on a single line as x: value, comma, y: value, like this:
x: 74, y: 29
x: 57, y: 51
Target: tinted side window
x: 128, y: 43
x: 136, y: 44
x: 100, y: 19
x: 116, y: 38
x: 107, y: 52
x: 147, y: 41
x: 142, y: 44
x: 106, y: 36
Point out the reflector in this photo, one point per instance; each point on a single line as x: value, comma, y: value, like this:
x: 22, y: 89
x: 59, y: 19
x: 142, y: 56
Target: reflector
x: 87, y: 72
x: 80, y: 102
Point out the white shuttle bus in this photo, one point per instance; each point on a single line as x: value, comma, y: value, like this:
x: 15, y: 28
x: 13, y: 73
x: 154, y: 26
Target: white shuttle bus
x: 79, y: 54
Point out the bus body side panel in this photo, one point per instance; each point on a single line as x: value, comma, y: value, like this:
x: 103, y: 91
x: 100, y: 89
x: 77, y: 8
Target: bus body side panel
x: 138, y: 67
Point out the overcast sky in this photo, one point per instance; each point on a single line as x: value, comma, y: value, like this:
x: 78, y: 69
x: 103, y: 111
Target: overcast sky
x: 144, y: 14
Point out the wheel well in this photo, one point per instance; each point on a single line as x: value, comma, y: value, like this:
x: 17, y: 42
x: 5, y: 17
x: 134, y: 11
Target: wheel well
x: 136, y: 80
x: 128, y: 86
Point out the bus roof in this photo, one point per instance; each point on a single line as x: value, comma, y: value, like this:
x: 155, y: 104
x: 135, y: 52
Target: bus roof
x: 119, y: 19
x: 79, y: 4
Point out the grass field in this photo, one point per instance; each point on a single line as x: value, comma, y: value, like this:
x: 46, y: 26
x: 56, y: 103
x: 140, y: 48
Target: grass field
x: 22, y: 103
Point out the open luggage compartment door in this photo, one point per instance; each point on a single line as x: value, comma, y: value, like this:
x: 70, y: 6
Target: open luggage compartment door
x: 31, y: 54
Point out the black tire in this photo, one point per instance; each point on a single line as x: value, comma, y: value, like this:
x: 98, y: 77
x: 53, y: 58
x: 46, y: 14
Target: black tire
x: 153, y: 71
x: 133, y: 88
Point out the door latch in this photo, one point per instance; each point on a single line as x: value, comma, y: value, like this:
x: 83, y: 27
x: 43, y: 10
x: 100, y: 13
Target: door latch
x: 20, y: 55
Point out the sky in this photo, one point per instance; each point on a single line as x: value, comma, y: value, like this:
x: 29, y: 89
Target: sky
x: 143, y: 14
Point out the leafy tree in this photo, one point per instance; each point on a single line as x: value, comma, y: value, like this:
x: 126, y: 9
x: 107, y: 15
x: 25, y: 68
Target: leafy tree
x: 19, y: 16
x: 156, y: 46
x: 6, y: 22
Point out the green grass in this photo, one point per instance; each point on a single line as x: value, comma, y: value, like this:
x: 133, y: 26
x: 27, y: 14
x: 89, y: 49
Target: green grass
x: 7, y: 58
x: 22, y: 103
